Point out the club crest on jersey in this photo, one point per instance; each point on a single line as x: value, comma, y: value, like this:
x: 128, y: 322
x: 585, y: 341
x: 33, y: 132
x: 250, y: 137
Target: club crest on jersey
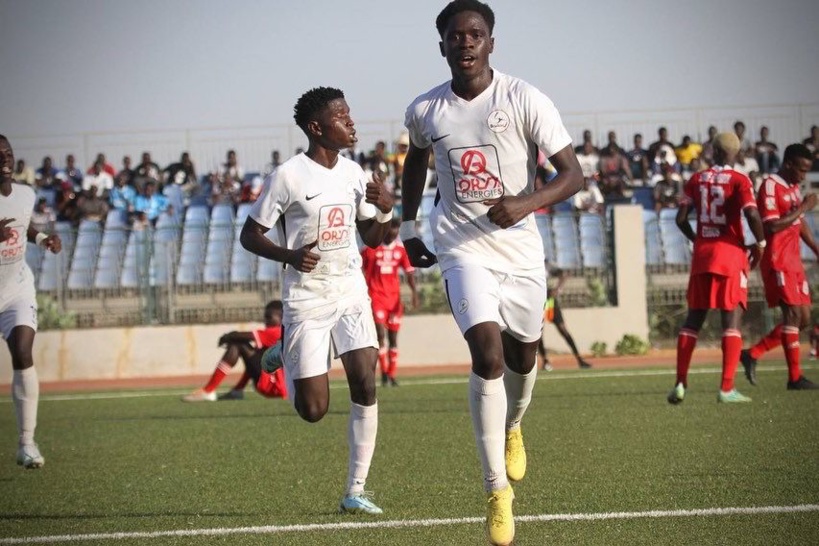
x: 498, y: 121
x: 335, y: 227
x: 476, y: 172
x: 463, y: 305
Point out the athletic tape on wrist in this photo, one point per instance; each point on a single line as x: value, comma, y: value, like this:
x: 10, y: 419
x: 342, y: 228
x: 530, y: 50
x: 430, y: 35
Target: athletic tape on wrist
x: 39, y: 238
x: 383, y: 217
x: 408, y: 230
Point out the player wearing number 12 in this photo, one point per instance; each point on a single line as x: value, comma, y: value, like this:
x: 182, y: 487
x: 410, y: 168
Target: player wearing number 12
x: 719, y: 267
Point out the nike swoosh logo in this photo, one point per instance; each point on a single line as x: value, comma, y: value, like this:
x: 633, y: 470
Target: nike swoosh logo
x: 309, y: 197
x: 434, y: 140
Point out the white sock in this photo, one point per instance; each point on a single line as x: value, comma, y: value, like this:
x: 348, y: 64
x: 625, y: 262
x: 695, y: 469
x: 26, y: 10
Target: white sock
x: 518, y: 395
x: 25, y: 390
x: 487, y: 404
x: 361, y: 432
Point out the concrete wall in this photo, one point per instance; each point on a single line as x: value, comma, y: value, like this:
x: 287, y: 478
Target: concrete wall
x: 163, y: 351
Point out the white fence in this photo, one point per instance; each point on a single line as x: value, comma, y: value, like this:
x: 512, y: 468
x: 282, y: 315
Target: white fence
x: 253, y: 145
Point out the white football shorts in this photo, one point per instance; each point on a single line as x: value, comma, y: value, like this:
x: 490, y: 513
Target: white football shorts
x: 19, y: 310
x: 307, y: 344
x: 514, y: 302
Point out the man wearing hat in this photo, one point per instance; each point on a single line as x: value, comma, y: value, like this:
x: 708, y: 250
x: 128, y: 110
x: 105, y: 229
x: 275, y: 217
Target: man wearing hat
x: 719, y: 266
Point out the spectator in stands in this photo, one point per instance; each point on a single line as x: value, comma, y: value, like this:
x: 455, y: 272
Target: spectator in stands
x: 589, y: 160
x: 106, y: 167
x: 662, y: 143
x: 687, y: 152
x: 150, y: 202
x: 127, y: 171
x: 696, y: 165
x: 224, y: 188
x: 744, y: 142
x: 183, y: 174
x: 123, y: 195
x: 747, y: 165
x: 638, y: 160
x: 231, y: 171
x: 615, y: 173
x: 667, y: 190
x: 589, y: 199
x: 766, y: 153
x: 139, y: 221
x: 401, y: 149
x: 46, y: 175
x: 99, y: 178
x: 43, y: 217
x: 251, y: 189
x: 587, y: 138
x: 91, y: 206
x: 23, y: 173
x: 147, y: 171
x: 664, y: 157
x: 70, y: 172
x: 812, y: 142
x: 707, y: 155
x: 275, y: 161
x: 66, y: 202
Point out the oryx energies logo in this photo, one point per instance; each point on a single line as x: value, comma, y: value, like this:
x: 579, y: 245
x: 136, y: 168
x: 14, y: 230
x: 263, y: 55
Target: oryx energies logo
x: 476, y: 172
x: 335, y: 227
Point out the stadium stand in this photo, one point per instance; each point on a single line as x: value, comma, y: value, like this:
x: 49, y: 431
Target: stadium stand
x: 84, y: 259
x: 592, y: 240
x: 567, y: 242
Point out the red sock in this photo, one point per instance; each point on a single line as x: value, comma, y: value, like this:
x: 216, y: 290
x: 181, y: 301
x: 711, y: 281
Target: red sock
x: 731, y: 347
x: 772, y: 339
x: 790, y: 342
x: 218, y: 375
x: 242, y: 382
x: 686, y: 341
x: 393, y: 362
x: 382, y: 361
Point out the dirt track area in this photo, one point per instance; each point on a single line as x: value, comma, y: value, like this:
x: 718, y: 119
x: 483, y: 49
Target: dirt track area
x: 657, y: 358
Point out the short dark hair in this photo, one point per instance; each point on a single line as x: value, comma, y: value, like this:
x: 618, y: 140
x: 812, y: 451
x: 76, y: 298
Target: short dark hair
x: 795, y: 151
x: 313, y: 102
x: 273, y: 306
x: 638, y: 135
x: 458, y: 6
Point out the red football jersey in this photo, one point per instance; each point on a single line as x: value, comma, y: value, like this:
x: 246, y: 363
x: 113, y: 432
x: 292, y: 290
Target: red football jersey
x: 776, y: 199
x: 719, y: 196
x: 267, y: 337
x: 381, y: 266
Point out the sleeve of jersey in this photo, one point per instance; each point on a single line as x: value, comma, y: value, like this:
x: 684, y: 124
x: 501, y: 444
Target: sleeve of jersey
x: 413, y: 124
x: 545, y: 125
x: 364, y: 210
x: 267, y: 337
x: 768, y: 201
x: 746, y: 192
x: 272, y: 201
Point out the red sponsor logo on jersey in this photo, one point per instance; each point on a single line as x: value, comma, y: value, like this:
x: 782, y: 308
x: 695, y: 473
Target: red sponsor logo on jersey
x: 334, y: 233
x: 476, y: 183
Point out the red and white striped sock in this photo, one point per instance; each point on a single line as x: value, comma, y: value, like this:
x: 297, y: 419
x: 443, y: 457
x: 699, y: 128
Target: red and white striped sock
x: 218, y: 376
x: 772, y: 339
x: 790, y: 342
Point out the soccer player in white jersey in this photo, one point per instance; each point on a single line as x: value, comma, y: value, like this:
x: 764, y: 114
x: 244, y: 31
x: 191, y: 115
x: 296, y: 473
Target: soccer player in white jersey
x: 485, y: 129
x: 317, y: 199
x: 18, y: 304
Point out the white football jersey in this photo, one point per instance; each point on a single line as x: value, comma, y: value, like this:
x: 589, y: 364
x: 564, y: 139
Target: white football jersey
x: 484, y: 149
x: 310, y: 203
x: 15, y: 274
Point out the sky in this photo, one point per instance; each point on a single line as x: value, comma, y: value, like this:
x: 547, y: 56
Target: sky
x: 78, y: 66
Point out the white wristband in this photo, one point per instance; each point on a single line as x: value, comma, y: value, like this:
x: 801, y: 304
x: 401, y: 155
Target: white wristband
x: 383, y: 217
x: 39, y: 238
x: 408, y: 230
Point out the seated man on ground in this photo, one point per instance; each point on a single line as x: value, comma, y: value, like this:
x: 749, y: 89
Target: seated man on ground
x: 250, y: 346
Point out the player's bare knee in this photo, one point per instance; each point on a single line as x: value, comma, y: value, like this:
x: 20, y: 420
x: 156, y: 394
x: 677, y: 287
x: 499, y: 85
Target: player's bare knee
x: 364, y: 394
x: 312, y: 411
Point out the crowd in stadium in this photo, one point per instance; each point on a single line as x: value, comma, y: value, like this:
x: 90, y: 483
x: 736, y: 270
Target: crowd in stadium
x: 71, y: 194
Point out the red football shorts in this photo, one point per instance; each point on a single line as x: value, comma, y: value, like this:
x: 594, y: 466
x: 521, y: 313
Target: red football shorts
x: 788, y: 287
x: 388, y: 313
x: 712, y: 291
x: 272, y: 385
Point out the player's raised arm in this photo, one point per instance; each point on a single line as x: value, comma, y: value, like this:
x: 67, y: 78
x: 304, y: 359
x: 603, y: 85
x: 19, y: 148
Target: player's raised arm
x: 412, y: 184
x: 253, y: 239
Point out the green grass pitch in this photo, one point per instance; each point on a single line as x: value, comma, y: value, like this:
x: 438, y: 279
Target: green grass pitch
x: 598, y: 442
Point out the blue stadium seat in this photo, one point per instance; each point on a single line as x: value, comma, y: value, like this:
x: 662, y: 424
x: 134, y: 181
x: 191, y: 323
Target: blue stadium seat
x: 134, y: 260
x: 544, y: 227
x: 116, y: 218
x: 592, y: 240
x: 222, y: 214
x: 114, y: 240
x: 52, y: 271
x: 196, y: 216
x: 165, y: 252
x: 242, y: 212
x: 34, y: 259
x: 242, y: 262
x: 268, y: 270
x: 84, y: 260
x: 654, y: 248
x: 567, y: 243
x: 643, y: 196
x: 175, y: 198
x: 563, y: 206
x: 675, y: 245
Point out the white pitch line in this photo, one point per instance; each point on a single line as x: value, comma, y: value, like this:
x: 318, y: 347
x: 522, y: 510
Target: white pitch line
x: 551, y: 376
x: 399, y: 524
